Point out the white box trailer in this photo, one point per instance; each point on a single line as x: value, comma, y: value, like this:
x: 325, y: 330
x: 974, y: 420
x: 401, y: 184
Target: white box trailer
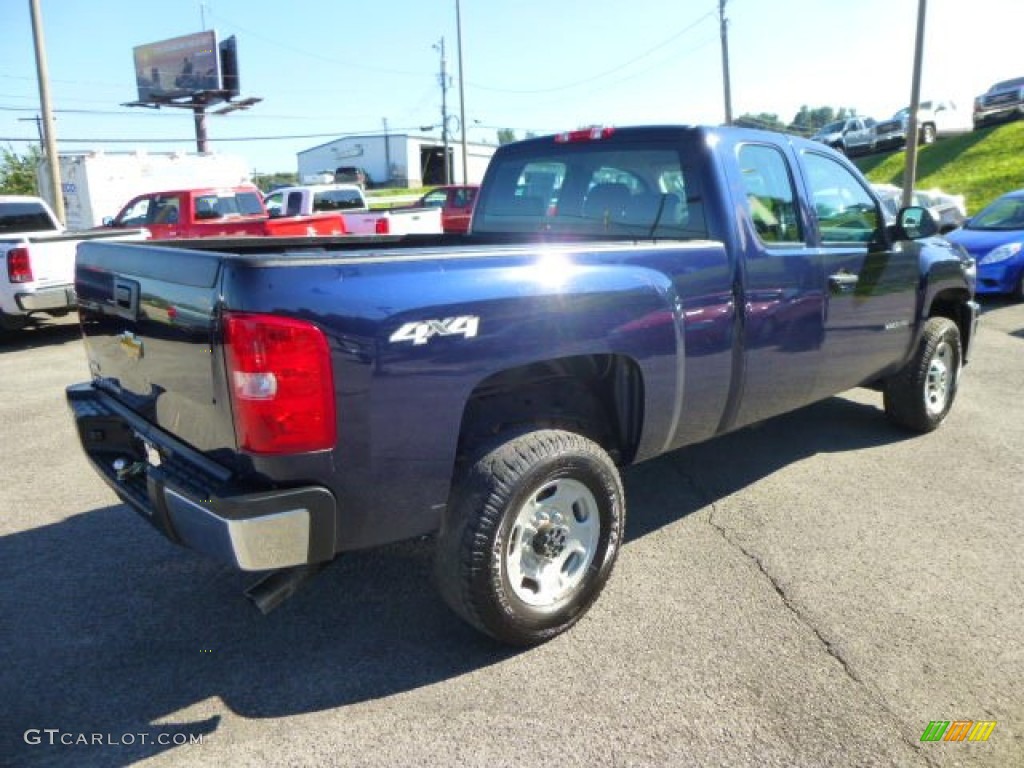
x: 98, y: 184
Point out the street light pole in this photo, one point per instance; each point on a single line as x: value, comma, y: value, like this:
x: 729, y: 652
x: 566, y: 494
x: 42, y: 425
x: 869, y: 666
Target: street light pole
x: 42, y: 72
x: 462, y: 94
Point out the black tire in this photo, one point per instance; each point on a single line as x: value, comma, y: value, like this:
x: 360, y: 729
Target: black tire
x: 13, y: 323
x: 533, y: 502
x: 921, y: 395
x: 928, y: 134
x: 1018, y: 290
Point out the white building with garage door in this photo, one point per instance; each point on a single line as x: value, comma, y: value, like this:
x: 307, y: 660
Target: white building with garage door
x: 397, y: 159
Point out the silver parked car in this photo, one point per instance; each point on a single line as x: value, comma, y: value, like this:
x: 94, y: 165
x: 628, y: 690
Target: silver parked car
x: 851, y: 135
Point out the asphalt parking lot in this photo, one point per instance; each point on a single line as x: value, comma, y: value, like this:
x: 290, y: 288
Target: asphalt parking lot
x: 813, y: 591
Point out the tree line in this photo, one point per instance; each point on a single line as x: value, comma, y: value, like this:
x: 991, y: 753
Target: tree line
x: 806, y: 122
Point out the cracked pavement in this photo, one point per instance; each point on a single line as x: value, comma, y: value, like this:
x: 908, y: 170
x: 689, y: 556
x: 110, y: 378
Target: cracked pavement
x: 811, y: 591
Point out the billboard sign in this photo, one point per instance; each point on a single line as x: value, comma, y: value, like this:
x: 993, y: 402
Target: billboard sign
x: 178, y: 68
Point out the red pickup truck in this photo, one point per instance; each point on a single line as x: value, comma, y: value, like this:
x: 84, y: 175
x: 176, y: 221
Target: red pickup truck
x: 217, y: 212
x: 456, y: 204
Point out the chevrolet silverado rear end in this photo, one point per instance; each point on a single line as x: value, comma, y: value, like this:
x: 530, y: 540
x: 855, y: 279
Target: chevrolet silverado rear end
x: 622, y: 293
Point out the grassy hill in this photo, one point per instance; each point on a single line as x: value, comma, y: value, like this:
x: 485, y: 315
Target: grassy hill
x: 982, y: 165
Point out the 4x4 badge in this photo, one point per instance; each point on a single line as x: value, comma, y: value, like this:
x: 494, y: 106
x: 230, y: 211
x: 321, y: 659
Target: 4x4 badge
x: 423, y: 331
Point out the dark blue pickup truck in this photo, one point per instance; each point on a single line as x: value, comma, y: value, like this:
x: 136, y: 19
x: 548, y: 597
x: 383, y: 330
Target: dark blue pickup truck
x: 622, y: 293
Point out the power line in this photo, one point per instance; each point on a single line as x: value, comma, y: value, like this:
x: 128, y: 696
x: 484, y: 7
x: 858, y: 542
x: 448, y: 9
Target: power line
x: 607, y: 72
x: 150, y: 140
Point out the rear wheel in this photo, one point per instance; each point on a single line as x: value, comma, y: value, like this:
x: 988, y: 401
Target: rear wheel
x: 921, y: 395
x: 531, y: 535
x: 13, y: 323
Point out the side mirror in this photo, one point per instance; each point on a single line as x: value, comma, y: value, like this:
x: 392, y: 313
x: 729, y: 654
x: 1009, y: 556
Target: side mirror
x: 915, y: 222
x: 108, y: 221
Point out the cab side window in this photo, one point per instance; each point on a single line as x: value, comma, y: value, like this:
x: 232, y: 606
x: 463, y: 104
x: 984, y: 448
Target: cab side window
x: 274, y: 204
x: 846, y: 212
x: 771, y: 199
x: 137, y: 214
x: 436, y: 199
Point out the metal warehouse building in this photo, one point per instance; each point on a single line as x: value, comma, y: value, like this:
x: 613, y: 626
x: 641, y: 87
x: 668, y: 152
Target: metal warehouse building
x: 398, y: 159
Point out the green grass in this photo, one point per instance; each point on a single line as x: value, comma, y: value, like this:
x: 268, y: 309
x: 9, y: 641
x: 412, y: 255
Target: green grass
x: 981, y: 165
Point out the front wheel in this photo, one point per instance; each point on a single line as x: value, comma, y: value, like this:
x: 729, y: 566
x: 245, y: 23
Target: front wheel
x: 530, y: 536
x: 921, y: 395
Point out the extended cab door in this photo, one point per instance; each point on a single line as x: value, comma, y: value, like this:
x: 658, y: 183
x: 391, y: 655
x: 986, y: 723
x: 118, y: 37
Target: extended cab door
x: 870, y: 283
x: 782, y: 293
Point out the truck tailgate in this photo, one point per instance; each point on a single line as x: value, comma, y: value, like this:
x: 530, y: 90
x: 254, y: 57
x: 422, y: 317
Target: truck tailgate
x: 148, y: 320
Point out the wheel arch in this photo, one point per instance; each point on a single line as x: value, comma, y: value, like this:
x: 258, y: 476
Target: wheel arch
x: 952, y: 304
x: 600, y: 396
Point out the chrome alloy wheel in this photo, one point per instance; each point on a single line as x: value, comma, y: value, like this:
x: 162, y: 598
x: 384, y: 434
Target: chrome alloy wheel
x: 552, y: 542
x: 941, y: 377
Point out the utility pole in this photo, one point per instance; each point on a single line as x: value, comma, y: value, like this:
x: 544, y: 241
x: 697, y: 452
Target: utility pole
x: 387, y: 153
x: 725, y: 61
x: 462, y: 95
x: 444, y: 112
x: 42, y: 72
x: 910, y: 172
x: 199, y: 115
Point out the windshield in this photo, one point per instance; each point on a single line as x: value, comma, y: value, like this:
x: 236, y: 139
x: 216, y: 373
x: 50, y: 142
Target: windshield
x: 835, y: 127
x: 595, y: 189
x: 1006, y: 213
x: 1017, y: 82
x: 24, y: 217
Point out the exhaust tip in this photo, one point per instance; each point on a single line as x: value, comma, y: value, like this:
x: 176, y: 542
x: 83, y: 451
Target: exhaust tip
x: 276, y: 587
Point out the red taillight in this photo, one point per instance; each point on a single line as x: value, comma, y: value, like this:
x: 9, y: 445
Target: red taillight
x: 19, y: 265
x: 281, y: 381
x: 587, y: 134
x: 382, y: 226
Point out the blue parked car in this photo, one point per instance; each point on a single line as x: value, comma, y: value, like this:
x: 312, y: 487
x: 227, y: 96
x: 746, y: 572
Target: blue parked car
x: 995, y: 238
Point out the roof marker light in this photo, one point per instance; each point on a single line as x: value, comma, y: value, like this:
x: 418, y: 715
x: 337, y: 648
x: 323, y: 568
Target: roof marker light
x: 585, y: 134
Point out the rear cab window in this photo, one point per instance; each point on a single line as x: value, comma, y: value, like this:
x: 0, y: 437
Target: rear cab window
x: 25, y: 217
x: 338, y: 200
x: 593, y: 188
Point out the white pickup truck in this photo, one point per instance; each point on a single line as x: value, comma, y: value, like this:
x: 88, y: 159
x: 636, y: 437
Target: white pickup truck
x: 349, y: 201
x: 39, y: 260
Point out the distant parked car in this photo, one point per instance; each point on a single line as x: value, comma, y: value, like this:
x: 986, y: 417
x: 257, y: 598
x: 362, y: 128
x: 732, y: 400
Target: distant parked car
x: 995, y: 238
x: 1003, y: 101
x: 456, y: 204
x: 950, y: 210
x: 350, y: 174
x: 851, y: 136
x: 935, y: 120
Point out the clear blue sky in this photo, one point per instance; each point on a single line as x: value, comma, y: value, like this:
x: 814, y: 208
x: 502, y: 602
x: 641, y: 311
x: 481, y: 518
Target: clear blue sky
x: 328, y: 68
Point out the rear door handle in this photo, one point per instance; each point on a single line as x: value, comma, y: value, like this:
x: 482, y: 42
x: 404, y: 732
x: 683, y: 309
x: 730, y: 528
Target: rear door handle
x: 842, y: 282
